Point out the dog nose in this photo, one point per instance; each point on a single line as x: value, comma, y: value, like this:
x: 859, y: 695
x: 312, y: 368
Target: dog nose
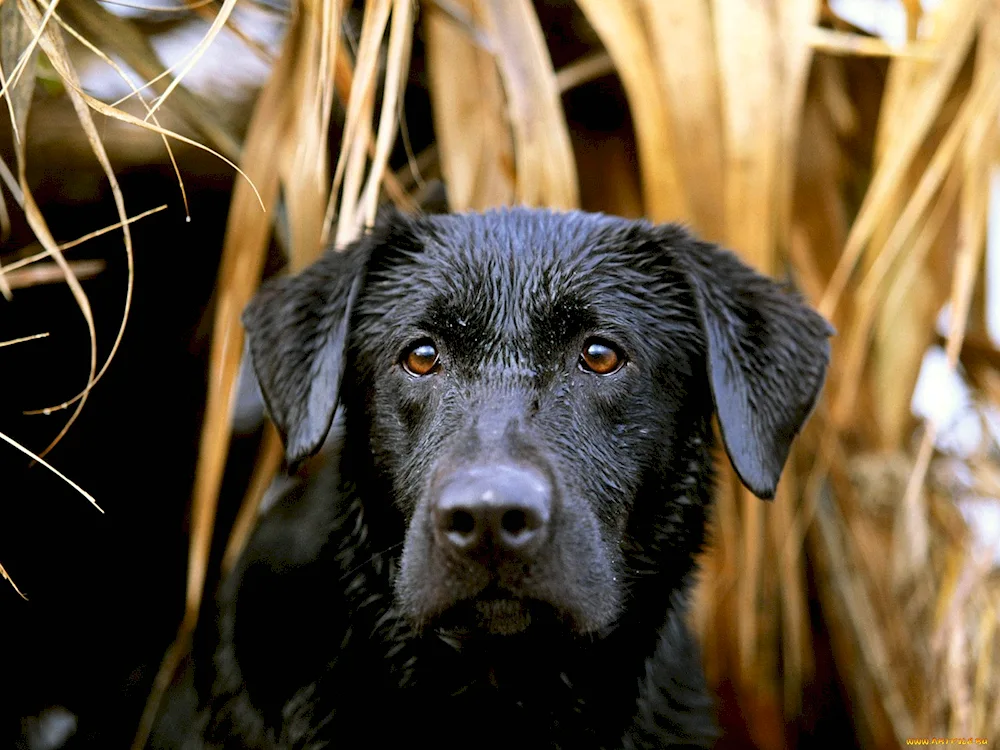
x: 500, y: 509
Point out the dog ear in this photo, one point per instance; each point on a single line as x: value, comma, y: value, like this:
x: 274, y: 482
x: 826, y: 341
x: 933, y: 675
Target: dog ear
x: 297, y: 327
x: 297, y: 331
x: 767, y: 355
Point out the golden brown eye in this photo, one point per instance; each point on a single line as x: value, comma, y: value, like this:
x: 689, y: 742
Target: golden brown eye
x: 421, y: 359
x: 600, y: 357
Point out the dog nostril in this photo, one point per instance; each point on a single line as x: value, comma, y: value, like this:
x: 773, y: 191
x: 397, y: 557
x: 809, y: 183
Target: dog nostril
x: 462, y: 522
x: 514, y: 522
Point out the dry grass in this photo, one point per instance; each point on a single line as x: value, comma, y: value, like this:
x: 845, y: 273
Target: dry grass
x: 859, y: 168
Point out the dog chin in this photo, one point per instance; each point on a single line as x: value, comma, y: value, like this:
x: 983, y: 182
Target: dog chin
x: 493, y: 614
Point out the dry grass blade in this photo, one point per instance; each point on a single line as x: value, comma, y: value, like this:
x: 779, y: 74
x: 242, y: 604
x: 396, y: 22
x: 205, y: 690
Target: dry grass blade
x: 920, y: 619
x: 684, y: 42
x: 795, y: 20
x: 397, y: 65
x: 248, y: 234
x: 544, y: 162
x: 473, y: 134
x: 796, y: 634
x: 298, y: 95
x: 862, y: 618
x: 125, y: 117
x: 856, y: 346
x: 356, y: 141
x: 11, y: 342
x: 110, y: 32
x: 6, y: 576
x: 303, y: 162
x: 26, y: 60
x: 14, y: 444
x: 984, y: 668
x: 748, y: 60
x: 751, y: 96
x: 37, y: 224
x: 373, y: 26
x: 52, y: 44
x: 348, y: 222
x: 5, y: 289
x: 11, y: 183
x: 35, y: 257
x: 329, y: 42
x: 117, y: 114
x: 465, y: 15
x: 17, y: 48
x: 304, y: 172
x: 196, y: 54
x: 621, y: 31
x: 17, y: 52
x: 173, y: 657
x: 42, y: 35
x: 979, y: 147
x: 124, y: 76
x: 906, y: 315
x: 237, y: 31
x: 57, y: 53
x: 585, y: 69
x: 984, y: 98
x: 952, y: 43
x: 4, y: 223
x: 835, y: 42
x: 184, y: 7
x: 50, y: 273
x: 266, y: 467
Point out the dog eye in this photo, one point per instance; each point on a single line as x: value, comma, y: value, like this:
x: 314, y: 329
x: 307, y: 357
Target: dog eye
x: 601, y: 357
x: 421, y: 358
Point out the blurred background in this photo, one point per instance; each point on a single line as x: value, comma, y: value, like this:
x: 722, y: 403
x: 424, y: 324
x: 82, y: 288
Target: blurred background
x: 160, y: 158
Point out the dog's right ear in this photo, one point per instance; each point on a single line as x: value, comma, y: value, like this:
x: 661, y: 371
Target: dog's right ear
x: 297, y: 328
x: 297, y: 332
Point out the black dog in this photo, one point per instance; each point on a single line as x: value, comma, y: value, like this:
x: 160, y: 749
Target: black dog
x: 493, y: 547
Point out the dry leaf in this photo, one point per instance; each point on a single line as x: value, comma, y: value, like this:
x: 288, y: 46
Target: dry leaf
x: 473, y: 134
x: 620, y: 28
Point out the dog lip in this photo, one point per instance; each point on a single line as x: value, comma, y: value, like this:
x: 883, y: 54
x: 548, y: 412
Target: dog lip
x: 495, y: 613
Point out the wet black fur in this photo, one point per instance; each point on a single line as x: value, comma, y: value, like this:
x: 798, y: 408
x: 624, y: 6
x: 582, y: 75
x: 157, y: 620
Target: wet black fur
x: 344, y: 627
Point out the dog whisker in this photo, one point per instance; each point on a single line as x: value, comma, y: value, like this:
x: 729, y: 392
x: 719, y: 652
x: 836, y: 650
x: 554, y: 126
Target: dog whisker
x: 370, y: 559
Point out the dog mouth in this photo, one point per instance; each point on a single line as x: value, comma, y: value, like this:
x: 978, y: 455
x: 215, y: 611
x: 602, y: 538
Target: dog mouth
x: 503, y: 616
x: 497, y: 612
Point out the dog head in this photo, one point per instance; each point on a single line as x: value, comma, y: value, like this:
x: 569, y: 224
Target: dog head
x: 536, y: 390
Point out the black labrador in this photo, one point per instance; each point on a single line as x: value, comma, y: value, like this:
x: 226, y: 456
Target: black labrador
x: 499, y: 430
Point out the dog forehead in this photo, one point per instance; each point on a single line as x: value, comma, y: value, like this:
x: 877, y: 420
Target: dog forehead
x: 508, y: 272
x: 505, y: 278
x: 526, y: 239
x: 525, y: 257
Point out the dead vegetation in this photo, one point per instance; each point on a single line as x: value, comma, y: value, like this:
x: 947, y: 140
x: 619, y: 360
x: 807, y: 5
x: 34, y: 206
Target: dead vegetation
x: 859, y: 167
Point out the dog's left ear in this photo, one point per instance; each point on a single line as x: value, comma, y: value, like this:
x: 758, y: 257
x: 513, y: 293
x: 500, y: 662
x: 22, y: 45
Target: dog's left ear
x: 767, y: 354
